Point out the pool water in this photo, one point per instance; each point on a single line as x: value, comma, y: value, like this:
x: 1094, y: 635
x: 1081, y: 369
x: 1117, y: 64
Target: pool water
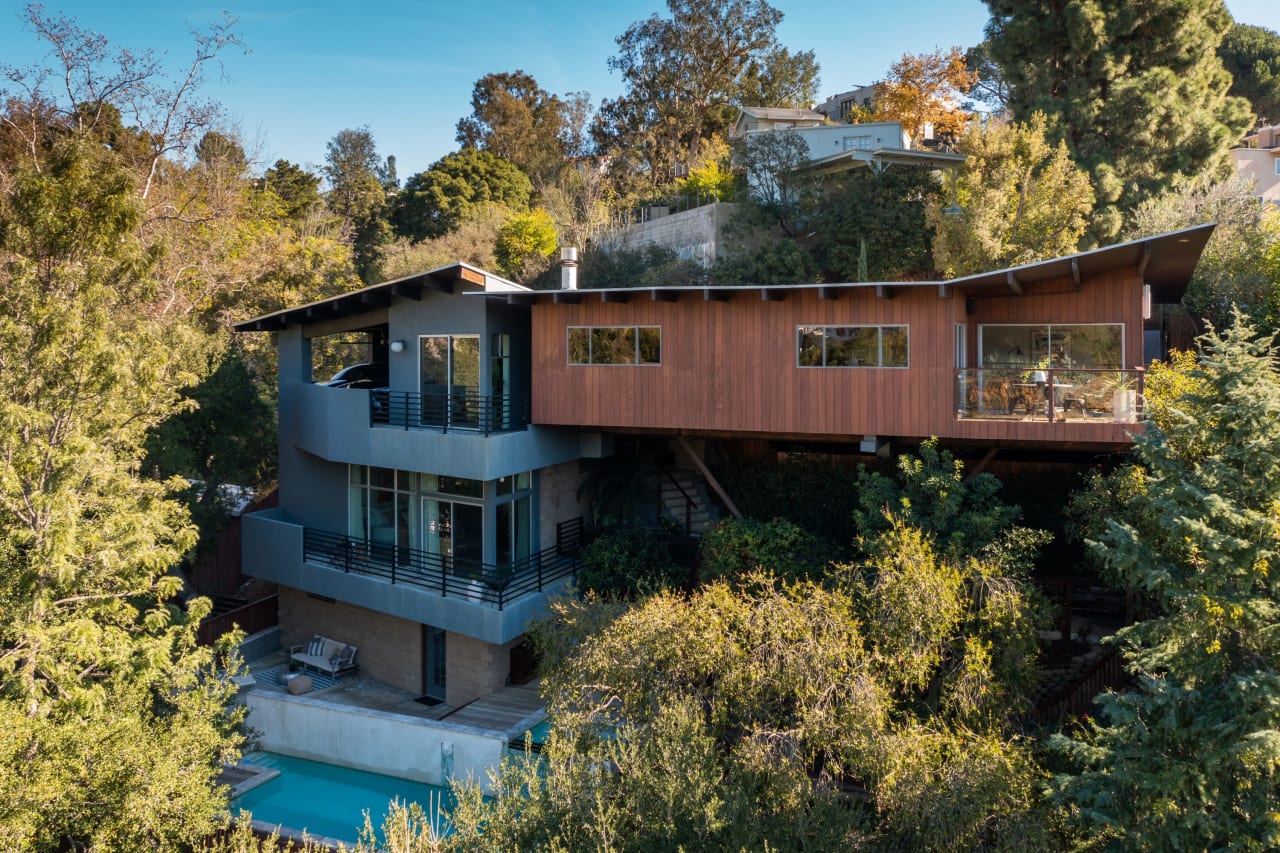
x: 328, y: 800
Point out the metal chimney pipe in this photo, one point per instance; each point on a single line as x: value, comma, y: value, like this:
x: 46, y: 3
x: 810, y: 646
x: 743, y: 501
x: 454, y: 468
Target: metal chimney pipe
x: 568, y: 268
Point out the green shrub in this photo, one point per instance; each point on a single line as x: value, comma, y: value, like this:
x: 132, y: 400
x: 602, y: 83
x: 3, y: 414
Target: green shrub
x: 627, y: 563
x: 737, y: 547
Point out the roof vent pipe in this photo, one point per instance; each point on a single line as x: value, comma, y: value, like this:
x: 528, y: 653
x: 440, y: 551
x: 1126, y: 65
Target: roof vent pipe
x: 568, y: 268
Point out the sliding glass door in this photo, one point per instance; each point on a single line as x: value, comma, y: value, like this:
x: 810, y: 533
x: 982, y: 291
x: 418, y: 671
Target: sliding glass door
x: 450, y: 379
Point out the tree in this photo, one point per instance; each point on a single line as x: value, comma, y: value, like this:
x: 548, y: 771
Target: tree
x: 989, y: 87
x: 101, y: 90
x: 924, y: 90
x: 526, y: 243
x: 516, y: 119
x: 357, y: 195
x: 1188, y: 761
x: 725, y: 720
x: 883, y: 209
x: 683, y: 76
x: 1019, y: 200
x: 297, y: 189
x: 1238, y: 268
x: 771, y: 162
x: 112, y: 717
x: 1252, y: 56
x: 455, y: 188
x: 1135, y: 90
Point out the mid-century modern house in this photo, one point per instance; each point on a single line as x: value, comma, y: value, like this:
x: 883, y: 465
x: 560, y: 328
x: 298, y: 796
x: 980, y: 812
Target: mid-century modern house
x: 428, y: 520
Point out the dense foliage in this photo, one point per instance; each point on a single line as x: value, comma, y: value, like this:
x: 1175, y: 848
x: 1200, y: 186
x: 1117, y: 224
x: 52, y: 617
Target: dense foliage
x: 1136, y: 90
x: 1188, y: 760
x: 628, y: 562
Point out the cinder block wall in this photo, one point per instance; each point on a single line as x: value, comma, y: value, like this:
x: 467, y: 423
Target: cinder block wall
x: 692, y: 234
x: 558, y: 499
x: 390, y: 647
x: 474, y: 668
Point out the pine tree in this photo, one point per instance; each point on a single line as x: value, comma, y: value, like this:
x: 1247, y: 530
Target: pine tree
x: 1135, y: 89
x: 1189, y: 761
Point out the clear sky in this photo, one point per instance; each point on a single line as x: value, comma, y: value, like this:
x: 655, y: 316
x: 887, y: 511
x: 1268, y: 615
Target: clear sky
x: 405, y: 68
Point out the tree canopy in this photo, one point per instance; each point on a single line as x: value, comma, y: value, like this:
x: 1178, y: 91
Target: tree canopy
x: 519, y: 121
x: 1135, y: 90
x: 455, y: 188
x: 685, y: 74
x: 1017, y: 199
x: 1252, y: 56
x: 925, y: 90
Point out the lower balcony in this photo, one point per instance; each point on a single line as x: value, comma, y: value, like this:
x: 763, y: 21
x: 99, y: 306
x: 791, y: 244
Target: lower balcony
x: 1050, y: 395
x: 489, y: 602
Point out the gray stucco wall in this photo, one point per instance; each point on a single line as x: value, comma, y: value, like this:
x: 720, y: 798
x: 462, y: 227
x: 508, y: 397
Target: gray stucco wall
x: 692, y: 234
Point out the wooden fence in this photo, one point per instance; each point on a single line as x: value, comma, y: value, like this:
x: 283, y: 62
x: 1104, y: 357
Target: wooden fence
x: 251, y: 618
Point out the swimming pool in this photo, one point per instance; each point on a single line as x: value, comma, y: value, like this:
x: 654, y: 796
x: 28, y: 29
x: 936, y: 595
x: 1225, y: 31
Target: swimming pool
x: 328, y: 800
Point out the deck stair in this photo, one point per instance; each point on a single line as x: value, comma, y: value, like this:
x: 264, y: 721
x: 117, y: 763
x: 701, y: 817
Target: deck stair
x: 686, y: 500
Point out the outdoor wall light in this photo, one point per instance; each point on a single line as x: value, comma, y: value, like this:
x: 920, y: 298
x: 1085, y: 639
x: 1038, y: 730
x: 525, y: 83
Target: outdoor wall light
x: 397, y: 346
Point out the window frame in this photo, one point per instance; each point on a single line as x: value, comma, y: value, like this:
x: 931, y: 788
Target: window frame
x: 635, y: 330
x: 879, y: 327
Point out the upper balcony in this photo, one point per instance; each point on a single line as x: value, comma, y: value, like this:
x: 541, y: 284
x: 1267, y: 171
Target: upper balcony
x: 458, y: 434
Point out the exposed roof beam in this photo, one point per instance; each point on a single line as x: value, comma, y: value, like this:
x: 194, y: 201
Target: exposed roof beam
x: 772, y: 294
x: 828, y: 293
x: 411, y: 289
x: 664, y: 295
x: 443, y: 285
x: 715, y: 295
x: 520, y: 299
x: 1146, y: 259
x: 613, y: 296
x: 883, y: 292
x: 1014, y: 284
x: 944, y: 291
x: 566, y: 297
x: 380, y: 298
x: 1075, y: 272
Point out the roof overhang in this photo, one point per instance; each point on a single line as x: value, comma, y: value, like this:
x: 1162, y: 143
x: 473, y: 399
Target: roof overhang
x: 1164, y: 261
x: 447, y: 279
x: 845, y: 161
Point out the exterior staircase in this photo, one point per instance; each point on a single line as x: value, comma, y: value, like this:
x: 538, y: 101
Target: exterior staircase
x: 686, y: 499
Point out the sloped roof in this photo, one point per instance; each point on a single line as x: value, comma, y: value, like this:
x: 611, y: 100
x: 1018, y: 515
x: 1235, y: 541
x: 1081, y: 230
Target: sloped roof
x: 783, y: 114
x: 446, y: 279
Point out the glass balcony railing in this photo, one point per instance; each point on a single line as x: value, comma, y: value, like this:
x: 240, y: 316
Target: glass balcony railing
x: 448, y: 411
x: 1049, y: 395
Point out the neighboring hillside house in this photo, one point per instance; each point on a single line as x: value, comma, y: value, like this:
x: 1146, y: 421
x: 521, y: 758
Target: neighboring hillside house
x: 838, y: 107
x: 427, y: 518
x: 1258, y: 159
x: 755, y: 119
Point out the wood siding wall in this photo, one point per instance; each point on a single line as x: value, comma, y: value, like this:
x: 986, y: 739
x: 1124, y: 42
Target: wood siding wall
x: 730, y: 367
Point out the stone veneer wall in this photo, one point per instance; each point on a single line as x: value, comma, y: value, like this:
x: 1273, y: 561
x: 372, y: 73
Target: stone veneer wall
x: 390, y: 648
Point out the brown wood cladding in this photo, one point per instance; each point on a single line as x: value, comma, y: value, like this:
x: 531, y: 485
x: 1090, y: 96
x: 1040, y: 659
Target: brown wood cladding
x: 730, y: 367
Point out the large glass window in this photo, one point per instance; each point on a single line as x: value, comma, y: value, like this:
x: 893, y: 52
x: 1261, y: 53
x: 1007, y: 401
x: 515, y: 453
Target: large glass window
x: 443, y: 516
x: 450, y: 378
x: 1080, y: 346
x: 851, y: 346
x: 615, y: 345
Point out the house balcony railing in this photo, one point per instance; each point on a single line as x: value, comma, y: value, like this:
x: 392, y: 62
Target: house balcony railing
x: 495, y: 585
x: 457, y: 411
x: 1051, y: 395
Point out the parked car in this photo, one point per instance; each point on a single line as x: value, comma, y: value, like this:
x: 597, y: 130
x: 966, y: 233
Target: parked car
x: 366, y: 375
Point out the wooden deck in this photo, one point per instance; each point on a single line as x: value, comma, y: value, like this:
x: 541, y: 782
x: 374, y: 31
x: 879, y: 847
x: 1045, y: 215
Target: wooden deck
x: 501, y: 710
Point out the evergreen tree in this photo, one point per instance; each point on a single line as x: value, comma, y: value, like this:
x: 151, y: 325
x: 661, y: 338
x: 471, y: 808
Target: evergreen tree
x: 1135, y: 89
x: 1188, y: 762
x: 358, y: 196
x: 113, y: 722
x: 456, y: 188
x: 1252, y: 56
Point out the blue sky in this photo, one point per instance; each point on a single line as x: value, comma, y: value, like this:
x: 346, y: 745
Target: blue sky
x: 405, y: 68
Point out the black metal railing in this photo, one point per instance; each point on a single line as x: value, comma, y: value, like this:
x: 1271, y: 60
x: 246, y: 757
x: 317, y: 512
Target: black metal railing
x: 1049, y: 394
x: 460, y: 410
x: 449, y: 577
